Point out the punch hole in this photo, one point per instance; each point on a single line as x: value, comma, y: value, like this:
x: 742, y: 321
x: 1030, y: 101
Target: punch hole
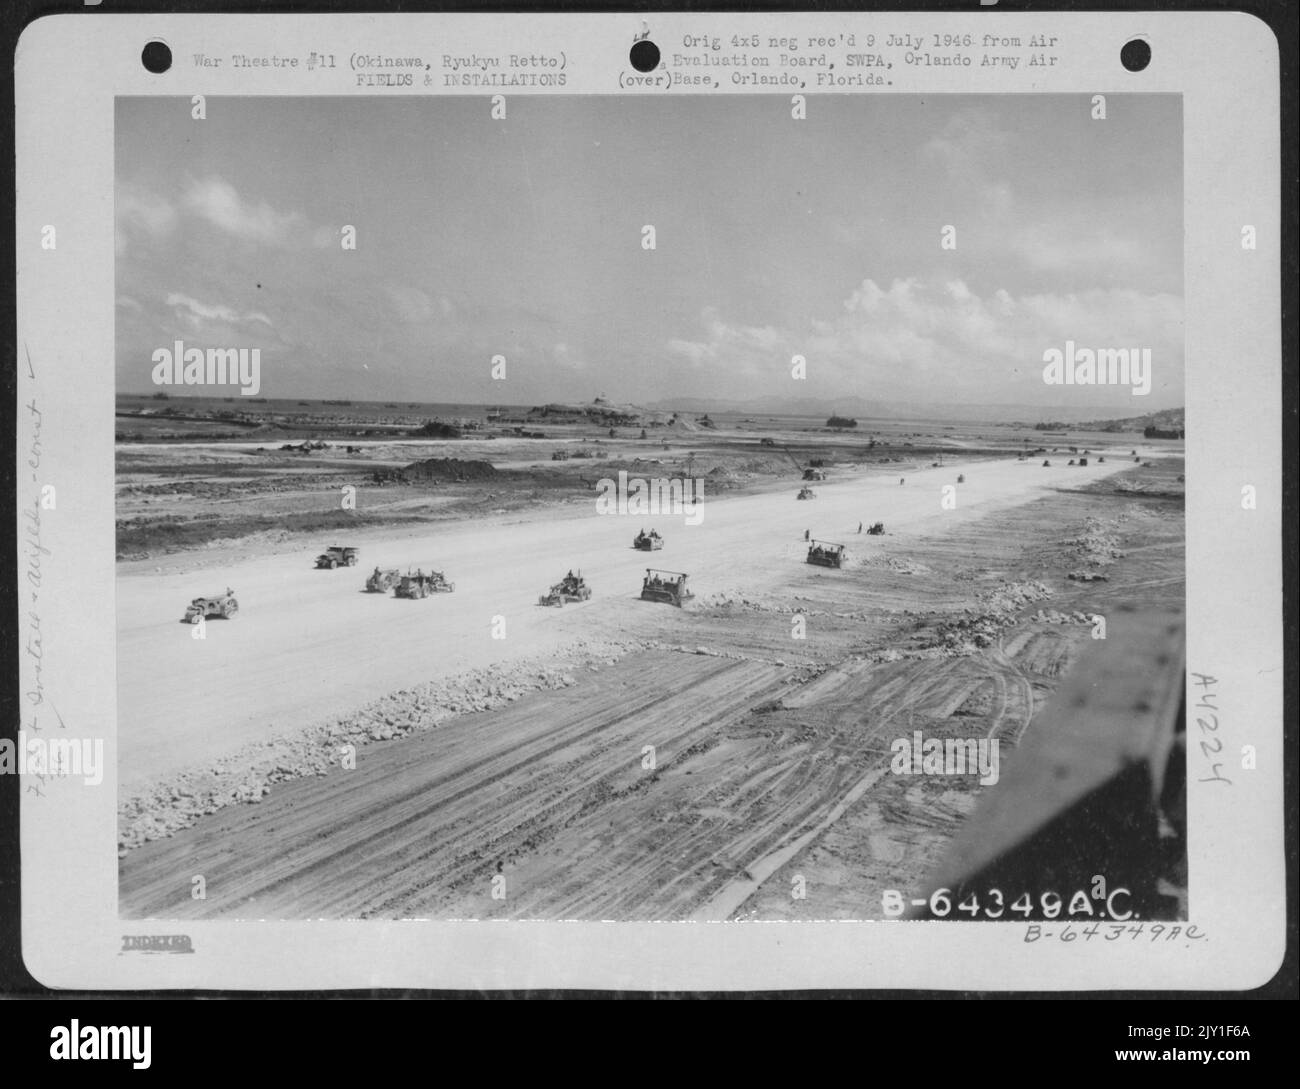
x: 1135, y: 55
x: 156, y: 57
x: 644, y: 56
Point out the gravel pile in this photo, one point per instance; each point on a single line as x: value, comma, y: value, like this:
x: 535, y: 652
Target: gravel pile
x: 1052, y: 616
x: 1098, y: 545
x: 994, y: 610
x: 247, y: 776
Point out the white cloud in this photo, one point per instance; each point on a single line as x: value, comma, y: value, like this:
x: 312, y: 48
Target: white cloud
x: 724, y: 339
x: 141, y: 213
x: 220, y: 204
x: 196, y: 313
x: 923, y: 339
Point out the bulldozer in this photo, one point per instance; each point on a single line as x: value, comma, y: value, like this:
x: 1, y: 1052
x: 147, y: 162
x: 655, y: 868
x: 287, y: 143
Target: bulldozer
x: 420, y: 585
x: 826, y: 554
x: 813, y: 474
x: 648, y: 542
x: 335, y: 555
x: 668, y: 587
x: 876, y: 529
x: 381, y: 582
x: 806, y: 493
x: 570, y: 588
x: 223, y: 605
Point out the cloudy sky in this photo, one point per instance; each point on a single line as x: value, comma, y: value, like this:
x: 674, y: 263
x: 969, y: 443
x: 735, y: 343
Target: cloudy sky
x: 775, y: 237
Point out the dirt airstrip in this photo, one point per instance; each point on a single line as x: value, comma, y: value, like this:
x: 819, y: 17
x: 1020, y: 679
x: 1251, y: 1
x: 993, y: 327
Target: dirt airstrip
x: 330, y: 753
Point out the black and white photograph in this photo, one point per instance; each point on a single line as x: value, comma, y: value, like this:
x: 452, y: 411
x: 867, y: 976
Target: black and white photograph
x: 661, y: 510
x: 673, y: 503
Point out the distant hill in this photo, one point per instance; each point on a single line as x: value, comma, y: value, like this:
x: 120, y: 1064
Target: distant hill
x: 1168, y: 419
x: 1020, y: 414
x: 607, y: 414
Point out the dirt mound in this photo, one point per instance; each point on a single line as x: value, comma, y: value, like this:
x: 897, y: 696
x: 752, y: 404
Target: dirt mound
x: 444, y: 469
x: 901, y: 564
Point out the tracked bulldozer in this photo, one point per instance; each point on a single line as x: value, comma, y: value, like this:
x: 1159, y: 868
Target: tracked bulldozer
x: 223, y: 605
x: 826, y: 554
x: 570, y: 588
x: 648, y: 542
x: 421, y: 585
x: 336, y: 556
x: 668, y: 587
x: 806, y: 493
x: 380, y: 582
x: 876, y: 529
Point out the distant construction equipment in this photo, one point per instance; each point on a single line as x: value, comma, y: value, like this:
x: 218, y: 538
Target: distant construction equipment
x: 826, y: 554
x: 876, y: 529
x: 667, y: 587
x: 648, y: 542
x: 380, y: 582
x: 421, y: 585
x: 570, y: 588
x: 223, y: 605
x: 806, y: 493
x: 335, y: 555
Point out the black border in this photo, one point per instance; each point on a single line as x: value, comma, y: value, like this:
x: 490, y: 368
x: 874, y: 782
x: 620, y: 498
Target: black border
x: 16, y: 982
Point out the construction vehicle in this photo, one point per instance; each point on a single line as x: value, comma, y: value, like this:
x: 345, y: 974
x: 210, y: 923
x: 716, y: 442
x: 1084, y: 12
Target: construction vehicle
x: 1101, y: 461
x: 570, y: 588
x: 648, y: 542
x: 1083, y: 461
x: 876, y: 529
x: 560, y: 455
x: 201, y: 608
x: 420, y: 585
x: 826, y: 554
x: 335, y: 555
x: 806, y: 493
x: 668, y: 587
x: 1046, y: 464
x: 813, y: 474
x: 380, y: 582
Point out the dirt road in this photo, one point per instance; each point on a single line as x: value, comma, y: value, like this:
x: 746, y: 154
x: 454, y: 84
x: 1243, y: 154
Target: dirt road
x: 309, y: 644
